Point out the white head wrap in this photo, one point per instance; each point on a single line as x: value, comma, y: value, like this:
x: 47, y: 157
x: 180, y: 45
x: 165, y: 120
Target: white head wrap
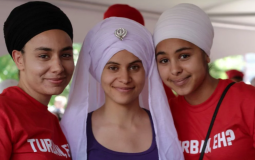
x: 87, y: 95
x: 7, y: 83
x: 187, y: 22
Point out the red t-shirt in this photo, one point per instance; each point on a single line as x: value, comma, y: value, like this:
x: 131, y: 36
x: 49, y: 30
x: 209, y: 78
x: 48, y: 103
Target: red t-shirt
x: 232, y: 136
x: 28, y: 130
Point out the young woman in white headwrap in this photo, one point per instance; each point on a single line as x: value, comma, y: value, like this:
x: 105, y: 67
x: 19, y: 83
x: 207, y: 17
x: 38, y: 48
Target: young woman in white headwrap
x: 183, y: 38
x: 115, y: 78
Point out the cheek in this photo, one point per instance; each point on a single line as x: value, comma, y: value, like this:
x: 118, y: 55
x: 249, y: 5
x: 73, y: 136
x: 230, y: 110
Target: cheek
x: 69, y: 67
x: 35, y: 68
x: 196, y: 69
x: 194, y: 66
x: 107, y: 79
x: 139, y: 79
x: 163, y: 72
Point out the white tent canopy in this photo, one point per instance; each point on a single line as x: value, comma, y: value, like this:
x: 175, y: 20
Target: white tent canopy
x: 233, y: 20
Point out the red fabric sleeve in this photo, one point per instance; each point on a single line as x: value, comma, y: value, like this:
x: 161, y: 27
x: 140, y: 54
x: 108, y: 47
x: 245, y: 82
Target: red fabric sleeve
x: 5, y: 136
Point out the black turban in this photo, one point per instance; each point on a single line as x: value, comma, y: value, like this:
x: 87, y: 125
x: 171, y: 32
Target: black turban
x: 31, y: 19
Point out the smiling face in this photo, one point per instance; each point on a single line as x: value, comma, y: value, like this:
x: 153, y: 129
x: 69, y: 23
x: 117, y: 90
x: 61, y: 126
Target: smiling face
x: 47, y: 65
x: 123, y: 78
x: 182, y: 65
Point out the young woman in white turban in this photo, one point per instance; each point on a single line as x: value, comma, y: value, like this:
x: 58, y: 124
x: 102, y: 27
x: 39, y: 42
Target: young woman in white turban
x: 183, y: 38
x: 115, y: 78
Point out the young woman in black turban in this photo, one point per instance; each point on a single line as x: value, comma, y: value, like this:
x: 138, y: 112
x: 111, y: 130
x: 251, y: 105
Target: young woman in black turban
x: 39, y: 38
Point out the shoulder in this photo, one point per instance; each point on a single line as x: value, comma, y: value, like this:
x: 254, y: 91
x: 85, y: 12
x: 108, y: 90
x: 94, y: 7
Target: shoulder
x: 4, y: 102
x: 243, y: 90
x: 241, y: 99
x: 238, y: 90
x: 8, y: 98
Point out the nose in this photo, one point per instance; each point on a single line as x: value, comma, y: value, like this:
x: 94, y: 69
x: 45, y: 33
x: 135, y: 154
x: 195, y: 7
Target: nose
x: 175, y: 68
x: 57, y: 66
x: 124, y: 76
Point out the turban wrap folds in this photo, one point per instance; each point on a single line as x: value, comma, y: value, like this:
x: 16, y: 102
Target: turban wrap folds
x: 187, y: 22
x: 31, y: 19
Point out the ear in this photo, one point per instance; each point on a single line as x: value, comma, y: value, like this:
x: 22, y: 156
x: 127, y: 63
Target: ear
x: 207, y: 58
x: 18, y: 58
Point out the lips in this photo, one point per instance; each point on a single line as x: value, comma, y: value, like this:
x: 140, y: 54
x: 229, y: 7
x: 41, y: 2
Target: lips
x: 124, y: 89
x: 55, y: 80
x: 181, y: 82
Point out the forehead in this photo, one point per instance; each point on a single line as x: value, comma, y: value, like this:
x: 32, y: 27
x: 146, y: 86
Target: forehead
x: 124, y: 56
x: 52, y: 39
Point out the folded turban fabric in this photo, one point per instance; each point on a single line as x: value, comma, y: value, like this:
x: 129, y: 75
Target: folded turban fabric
x: 86, y: 93
x: 234, y: 73
x: 187, y: 22
x: 31, y: 19
x: 123, y: 10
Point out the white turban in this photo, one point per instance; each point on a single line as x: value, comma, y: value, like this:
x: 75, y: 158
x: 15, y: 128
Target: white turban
x: 187, y: 22
x: 87, y: 95
x: 7, y: 83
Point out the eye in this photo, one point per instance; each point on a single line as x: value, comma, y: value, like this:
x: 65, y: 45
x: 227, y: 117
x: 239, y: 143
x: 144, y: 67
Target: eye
x: 184, y: 56
x: 113, y: 68
x: 67, y: 55
x: 164, y: 61
x: 43, y: 56
x: 135, y: 67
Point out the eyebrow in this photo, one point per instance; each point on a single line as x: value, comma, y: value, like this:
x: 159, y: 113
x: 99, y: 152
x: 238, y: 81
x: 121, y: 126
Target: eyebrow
x: 136, y: 61
x: 160, y: 53
x: 67, y: 48
x: 183, y: 49
x: 178, y: 50
x: 112, y: 63
x: 50, y: 49
x: 43, y: 49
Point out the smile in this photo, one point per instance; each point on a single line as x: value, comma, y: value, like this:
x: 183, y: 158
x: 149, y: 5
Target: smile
x: 181, y: 82
x: 55, y: 80
x: 124, y: 89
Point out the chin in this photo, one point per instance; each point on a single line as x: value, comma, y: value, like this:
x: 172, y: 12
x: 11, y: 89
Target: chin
x: 54, y: 91
x: 182, y: 92
x: 124, y: 100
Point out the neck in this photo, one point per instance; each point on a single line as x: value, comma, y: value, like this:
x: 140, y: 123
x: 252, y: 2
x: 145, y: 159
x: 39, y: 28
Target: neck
x: 44, y: 99
x: 203, y: 91
x: 120, y: 114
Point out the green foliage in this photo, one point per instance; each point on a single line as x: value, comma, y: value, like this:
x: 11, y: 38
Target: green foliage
x: 220, y: 66
x: 8, y: 69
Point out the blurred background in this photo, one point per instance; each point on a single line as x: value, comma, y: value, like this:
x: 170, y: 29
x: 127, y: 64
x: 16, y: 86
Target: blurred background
x: 233, y: 21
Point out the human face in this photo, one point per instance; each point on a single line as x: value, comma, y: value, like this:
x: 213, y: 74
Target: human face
x: 123, y: 78
x: 182, y: 65
x: 47, y: 65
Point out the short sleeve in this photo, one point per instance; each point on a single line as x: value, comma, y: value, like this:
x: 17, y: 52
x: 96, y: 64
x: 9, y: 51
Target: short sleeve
x: 5, y: 135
